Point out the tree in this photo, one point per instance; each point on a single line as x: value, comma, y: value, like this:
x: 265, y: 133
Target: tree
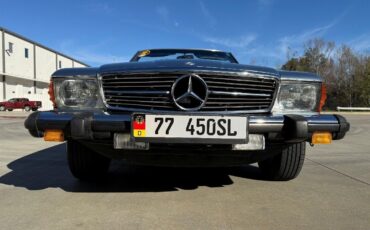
x: 346, y: 73
x: 318, y: 54
x: 348, y: 69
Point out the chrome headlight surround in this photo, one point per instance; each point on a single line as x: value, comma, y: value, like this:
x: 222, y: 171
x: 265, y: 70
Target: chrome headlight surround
x: 298, y: 97
x: 77, y: 93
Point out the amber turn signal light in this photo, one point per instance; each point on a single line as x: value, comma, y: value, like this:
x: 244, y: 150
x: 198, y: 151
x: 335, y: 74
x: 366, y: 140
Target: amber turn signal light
x: 323, y: 97
x: 51, y: 93
x: 53, y: 135
x: 321, y: 138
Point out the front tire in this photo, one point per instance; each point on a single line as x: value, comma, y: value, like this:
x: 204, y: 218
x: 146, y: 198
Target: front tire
x: 84, y: 163
x: 286, y: 165
x: 10, y: 110
x: 2, y: 108
x: 27, y: 108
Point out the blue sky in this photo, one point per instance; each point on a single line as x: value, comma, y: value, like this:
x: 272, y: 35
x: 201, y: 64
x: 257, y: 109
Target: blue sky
x: 257, y: 32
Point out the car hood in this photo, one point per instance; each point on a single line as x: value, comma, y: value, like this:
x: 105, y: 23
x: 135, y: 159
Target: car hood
x: 168, y: 65
x: 187, y: 65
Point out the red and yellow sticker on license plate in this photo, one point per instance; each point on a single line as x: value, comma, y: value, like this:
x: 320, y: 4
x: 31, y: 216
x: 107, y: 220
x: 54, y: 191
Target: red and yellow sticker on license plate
x: 151, y: 126
x: 138, y: 125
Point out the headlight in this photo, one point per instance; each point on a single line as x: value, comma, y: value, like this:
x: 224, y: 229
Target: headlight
x: 77, y: 93
x: 298, y: 97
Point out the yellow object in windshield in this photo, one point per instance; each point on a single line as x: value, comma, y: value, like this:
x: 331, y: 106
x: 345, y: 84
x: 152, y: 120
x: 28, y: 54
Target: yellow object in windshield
x: 144, y: 53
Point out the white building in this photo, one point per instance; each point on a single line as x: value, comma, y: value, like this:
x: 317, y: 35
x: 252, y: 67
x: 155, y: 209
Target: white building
x: 26, y: 67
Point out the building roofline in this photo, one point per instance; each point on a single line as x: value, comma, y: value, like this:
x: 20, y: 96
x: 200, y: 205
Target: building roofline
x: 40, y: 45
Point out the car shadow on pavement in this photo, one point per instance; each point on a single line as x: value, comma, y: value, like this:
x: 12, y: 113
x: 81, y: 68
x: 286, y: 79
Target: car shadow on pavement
x: 48, y: 169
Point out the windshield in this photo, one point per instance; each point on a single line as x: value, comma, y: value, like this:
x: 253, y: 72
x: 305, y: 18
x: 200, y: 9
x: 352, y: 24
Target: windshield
x: 156, y: 55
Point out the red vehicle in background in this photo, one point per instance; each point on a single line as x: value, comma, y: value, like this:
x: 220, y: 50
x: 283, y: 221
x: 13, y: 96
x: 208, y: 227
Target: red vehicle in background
x: 20, y: 103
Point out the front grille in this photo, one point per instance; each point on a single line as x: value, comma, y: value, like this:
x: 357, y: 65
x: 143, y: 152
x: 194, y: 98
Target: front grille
x: 153, y: 92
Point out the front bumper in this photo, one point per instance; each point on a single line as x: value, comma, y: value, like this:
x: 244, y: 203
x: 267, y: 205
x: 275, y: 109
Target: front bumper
x: 100, y: 126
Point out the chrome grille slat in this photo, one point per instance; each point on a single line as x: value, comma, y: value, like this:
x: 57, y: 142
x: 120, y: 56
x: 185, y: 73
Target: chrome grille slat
x: 232, y: 83
x: 114, y: 100
x: 137, y: 97
x: 237, y: 106
x: 240, y: 79
x: 137, y: 105
x: 239, y: 94
x: 138, y: 82
x: 218, y: 99
x: 137, y: 91
x: 131, y: 92
x: 137, y: 86
x: 135, y: 78
x: 240, y: 89
x: 238, y: 102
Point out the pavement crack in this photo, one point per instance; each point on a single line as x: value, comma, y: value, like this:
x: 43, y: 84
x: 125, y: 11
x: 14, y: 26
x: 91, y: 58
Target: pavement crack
x: 343, y: 174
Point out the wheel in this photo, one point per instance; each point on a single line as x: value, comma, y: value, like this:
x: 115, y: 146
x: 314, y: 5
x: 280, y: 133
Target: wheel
x: 286, y: 165
x: 27, y: 108
x: 2, y: 108
x: 10, y: 109
x: 84, y: 163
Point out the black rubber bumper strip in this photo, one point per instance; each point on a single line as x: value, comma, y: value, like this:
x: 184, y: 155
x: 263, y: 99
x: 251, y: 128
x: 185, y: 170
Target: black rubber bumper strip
x: 85, y: 124
x: 344, y: 127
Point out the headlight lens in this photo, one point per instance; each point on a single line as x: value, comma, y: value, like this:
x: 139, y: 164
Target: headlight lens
x: 77, y: 93
x: 298, y: 97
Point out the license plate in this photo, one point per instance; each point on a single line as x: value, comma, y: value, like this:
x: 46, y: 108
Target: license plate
x: 189, y: 129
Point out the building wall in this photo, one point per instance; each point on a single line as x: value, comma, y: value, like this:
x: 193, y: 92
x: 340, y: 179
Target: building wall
x: 45, y: 64
x: 1, y: 53
x: 16, y: 87
x: 1, y: 88
x: 63, y: 62
x: 1, y: 67
x: 77, y: 64
x: 16, y: 64
x: 10, y: 89
x: 29, y: 77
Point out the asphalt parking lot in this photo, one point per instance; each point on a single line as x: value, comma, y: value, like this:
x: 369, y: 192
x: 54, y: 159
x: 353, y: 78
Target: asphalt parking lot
x: 38, y: 192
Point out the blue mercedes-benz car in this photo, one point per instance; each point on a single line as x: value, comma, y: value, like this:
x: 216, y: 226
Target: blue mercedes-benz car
x: 186, y: 107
